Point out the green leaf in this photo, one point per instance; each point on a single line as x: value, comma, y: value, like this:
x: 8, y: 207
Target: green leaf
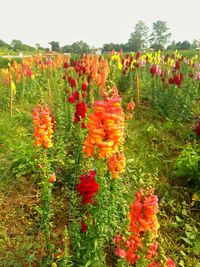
x: 98, y: 264
x: 95, y: 244
x: 187, y: 240
x: 88, y: 263
x: 183, y: 253
x: 181, y: 263
x: 178, y: 219
x: 184, y: 212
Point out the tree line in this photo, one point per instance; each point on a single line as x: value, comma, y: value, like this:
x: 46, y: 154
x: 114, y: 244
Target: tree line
x: 139, y: 39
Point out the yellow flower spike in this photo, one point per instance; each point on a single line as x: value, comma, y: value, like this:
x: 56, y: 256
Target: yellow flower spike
x: 13, y: 87
x: 119, y: 65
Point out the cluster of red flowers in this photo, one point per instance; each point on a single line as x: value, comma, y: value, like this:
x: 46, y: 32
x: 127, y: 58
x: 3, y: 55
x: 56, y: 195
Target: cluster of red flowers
x: 176, y: 79
x: 91, y: 69
x: 127, y: 63
x: 75, y: 98
x: 80, y: 111
x: 155, y: 70
x: 44, y: 125
x: 177, y: 65
x: 88, y: 186
x: 72, y: 82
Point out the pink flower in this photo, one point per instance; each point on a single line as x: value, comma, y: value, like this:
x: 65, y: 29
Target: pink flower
x: 197, y: 76
x: 117, y: 239
x: 120, y: 252
x: 170, y: 263
x: 154, y: 264
x: 155, y: 70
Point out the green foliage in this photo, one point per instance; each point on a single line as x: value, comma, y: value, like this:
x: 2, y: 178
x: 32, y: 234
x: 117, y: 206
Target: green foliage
x: 124, y: 81
x: 104, y: 220
x: 187, y: 164
x: 25, y: 162
x: 179, y: 225
x: 171, y: 101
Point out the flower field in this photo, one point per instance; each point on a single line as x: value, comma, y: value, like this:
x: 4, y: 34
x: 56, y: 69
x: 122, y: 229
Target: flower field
x: 100, y: 160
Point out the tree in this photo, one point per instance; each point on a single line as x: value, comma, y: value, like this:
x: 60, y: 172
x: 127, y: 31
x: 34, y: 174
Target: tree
x: 179, y: 45
x: 172, y: 46
x: 55, y: 46
x: 185, y: 45
x: 4, y: 44
x: 111, y: 46
x: 160, y: 35
x: 139, y: 38
x: 78, y: 47
x: 17, y: 45
x: 195, y: 44
x: 39, y: 47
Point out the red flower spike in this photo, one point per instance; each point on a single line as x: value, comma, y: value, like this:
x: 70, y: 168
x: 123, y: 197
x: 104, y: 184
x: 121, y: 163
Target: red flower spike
x: 71, y: 99
x: 197, y: 129
x: 66, y: 65
x: 178, y: 79
x: 84, y: 227
x: 138, y: 55
x: 88, y: 187
x: 80, y: 111
x: 84, y: 87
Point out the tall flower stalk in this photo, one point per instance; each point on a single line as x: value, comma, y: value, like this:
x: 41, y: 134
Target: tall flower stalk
x: 43, y: 132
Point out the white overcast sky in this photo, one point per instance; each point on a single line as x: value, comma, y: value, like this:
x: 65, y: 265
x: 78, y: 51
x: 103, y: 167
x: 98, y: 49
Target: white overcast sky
x: 94, y: 21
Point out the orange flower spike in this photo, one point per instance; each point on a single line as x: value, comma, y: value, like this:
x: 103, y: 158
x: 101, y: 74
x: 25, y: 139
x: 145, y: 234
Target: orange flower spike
x: 43, y: 131
x: 116, y: 164
x: 106, y: 127
x: 130, y: 106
